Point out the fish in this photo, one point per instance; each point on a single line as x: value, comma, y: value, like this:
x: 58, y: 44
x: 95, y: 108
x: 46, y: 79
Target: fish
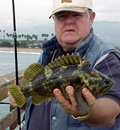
x: 40, y: 81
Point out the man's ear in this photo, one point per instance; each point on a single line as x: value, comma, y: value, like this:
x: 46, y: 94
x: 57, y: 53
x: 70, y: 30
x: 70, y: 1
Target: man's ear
x: 53, y: 17
x: 92, y: 17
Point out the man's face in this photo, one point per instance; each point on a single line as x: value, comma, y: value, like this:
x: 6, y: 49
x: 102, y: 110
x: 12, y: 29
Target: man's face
x: 71, y: 28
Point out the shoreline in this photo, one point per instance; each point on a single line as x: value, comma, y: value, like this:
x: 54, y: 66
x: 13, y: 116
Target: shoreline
x: 21, y: 49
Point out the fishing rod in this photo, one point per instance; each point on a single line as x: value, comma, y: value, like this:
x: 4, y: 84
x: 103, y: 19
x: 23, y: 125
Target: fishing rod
x: 16, y: 64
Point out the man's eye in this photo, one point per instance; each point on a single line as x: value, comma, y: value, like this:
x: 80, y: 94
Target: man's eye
x: 61, y: 16
x: 78, y: 14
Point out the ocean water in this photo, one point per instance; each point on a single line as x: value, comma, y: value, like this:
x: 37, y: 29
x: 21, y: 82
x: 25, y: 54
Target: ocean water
x: 7, y: 61
x: 7, y: 65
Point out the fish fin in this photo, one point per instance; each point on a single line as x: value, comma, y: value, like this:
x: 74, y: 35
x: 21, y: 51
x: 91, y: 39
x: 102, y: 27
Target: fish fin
x: 81, y: 100
x: 17, y: 94
x: 33, y: 71
x: 68, y: 60
x: 49, y: 99
x: 37, y: 99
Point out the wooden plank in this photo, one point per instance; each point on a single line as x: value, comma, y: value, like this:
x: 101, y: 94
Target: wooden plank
x: 9, y: 119
x: 1, y: 126
x: 5, y: 81
x: 9, y: 78
x: 14, y: 124
x: 3, y: 93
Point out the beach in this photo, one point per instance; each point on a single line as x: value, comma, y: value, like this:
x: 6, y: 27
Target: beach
x: 36, y: 50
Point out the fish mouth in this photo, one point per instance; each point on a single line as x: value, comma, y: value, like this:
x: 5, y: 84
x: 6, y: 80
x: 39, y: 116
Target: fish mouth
x: 107, y: 87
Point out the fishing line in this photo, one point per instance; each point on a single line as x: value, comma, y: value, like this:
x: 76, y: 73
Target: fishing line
x: 103, y: 55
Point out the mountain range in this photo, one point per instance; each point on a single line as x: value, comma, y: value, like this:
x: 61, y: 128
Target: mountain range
x: 108, y: 31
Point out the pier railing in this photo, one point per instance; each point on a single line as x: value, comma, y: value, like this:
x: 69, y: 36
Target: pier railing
x: 10, y: 120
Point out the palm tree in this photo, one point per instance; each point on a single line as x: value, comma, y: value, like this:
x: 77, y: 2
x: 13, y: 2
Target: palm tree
x: 25, y: 36
x: 29, y: 37
x: 42, y: 35
x: 8, y: 35
x: 52, y: 34
x: 22, y: 35
x: 19, y: 36
x: 4, y: 34
x: 1, y: 33
x: 35, y: 37
x: 45, y: 35
x: 11, y: 35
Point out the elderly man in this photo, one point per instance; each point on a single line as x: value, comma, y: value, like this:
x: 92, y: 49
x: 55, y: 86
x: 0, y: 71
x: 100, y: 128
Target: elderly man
x: 74, y: 34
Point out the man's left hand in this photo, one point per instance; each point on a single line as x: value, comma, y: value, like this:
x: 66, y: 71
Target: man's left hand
x: 71, y: 106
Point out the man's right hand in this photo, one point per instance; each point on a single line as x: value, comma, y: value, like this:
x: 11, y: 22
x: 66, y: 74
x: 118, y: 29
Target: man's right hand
x: 11, y: 100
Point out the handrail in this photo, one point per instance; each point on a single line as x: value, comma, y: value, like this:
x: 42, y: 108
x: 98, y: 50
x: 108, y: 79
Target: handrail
x: 10, y: 119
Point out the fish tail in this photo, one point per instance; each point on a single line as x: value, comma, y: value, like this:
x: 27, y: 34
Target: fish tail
x: 17, y: 94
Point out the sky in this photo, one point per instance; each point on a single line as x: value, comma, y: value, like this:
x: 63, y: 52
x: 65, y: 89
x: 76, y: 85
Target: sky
x: 31, y: 13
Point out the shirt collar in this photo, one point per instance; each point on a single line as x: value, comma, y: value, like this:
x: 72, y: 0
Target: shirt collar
x: 83, y: 46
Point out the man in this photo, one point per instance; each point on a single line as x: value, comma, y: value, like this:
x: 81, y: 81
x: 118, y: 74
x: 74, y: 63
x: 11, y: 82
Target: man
x: 74, y: 34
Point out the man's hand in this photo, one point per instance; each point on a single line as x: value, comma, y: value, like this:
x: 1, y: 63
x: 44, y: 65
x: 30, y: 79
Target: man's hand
x: 104, y: 110
x: 71, y: 107
x: 11, y: 100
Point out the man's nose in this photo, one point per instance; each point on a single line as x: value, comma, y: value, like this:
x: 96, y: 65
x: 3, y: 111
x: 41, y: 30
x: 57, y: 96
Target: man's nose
x: 69, y: 19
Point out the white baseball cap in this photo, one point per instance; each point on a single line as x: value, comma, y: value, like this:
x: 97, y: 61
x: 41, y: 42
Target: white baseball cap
x: 71, y: 5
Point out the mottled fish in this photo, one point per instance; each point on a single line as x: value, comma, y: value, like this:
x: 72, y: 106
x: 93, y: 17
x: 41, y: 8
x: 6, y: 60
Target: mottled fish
x: 66, y: 70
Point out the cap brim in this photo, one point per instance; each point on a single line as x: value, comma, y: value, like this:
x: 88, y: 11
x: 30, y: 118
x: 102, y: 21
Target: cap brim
x: 73, y: 9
